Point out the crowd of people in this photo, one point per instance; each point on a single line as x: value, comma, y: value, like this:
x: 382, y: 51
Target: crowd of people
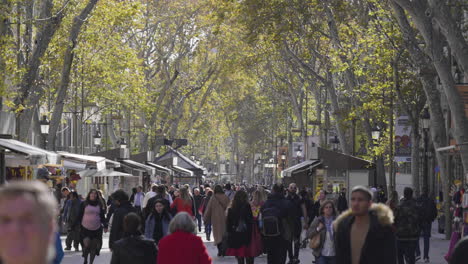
x: 163, y: 225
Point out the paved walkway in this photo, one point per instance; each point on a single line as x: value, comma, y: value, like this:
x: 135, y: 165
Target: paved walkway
x: 438, y: 245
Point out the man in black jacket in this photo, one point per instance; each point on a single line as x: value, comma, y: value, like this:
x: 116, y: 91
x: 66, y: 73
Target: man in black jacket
x: 408, y: 228
x: 428, y: 213
x: 72, y: 222
x: 134, y: 248
x: 364, y: 232
x: 123, y: 207
x: 298, y: 210
x: 198, y: 198
x: 276, y: 207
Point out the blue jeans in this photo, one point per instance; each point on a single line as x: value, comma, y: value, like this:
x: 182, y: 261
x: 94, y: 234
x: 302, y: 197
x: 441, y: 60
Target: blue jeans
x: 426, y: 234
x: 325, y: 260
x: 208, y: 230
x: 199, y: 221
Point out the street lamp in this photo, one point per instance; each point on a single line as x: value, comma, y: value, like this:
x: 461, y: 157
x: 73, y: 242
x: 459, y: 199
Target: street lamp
x: 283, y: 159
x: 376, y: 131
x: 335, y: 143
x: 45, y: 124
x: 97, y: 138
x: 426, y: 119
x: 123, y: 143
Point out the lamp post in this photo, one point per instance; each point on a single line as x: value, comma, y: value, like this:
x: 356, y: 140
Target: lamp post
x: 45, y: 124
x: 283, y: 160
x: 426, y: 118
x: 97, y: 138
x: 298, y: 154
x: 122, y: 142
x: 376, y: 131
x: 259, y: 164
x: 335, y: 143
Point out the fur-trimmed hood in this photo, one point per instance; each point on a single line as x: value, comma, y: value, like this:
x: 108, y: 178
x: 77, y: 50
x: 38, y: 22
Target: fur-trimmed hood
x: 383, y: 213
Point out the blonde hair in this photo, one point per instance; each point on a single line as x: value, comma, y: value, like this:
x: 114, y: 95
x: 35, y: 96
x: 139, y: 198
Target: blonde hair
x: 257, y: 197
x: 185, y: 195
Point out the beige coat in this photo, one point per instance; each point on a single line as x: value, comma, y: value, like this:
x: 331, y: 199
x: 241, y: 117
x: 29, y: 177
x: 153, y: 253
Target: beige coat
x: 216, y: 215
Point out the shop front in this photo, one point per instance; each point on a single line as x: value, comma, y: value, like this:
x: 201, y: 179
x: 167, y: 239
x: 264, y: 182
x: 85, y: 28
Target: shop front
x: 26, y: 162
x: 330, y: 171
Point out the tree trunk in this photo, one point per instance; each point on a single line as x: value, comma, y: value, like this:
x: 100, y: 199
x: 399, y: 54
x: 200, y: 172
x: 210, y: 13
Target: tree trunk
x: 4, y: 26
x: 78, y: 22
x: 415, y: 159
x: 451, y: 30
x: 339, y: 117
x: 428, y: 75
x: 434, y: 49
x: 30, y: 92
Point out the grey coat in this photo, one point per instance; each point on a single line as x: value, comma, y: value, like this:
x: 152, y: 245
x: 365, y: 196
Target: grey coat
x: 322, y: 233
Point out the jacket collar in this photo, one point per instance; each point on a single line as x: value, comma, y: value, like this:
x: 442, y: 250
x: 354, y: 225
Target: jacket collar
x: 382, y: 213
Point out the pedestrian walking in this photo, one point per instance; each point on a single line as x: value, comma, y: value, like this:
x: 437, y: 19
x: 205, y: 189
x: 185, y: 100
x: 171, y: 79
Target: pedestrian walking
x: 394, y: 201
x: 239, y: 228
x: 138, y: 199
x: 64, y: 198
x: 198, y: 199
x: 133, y: 247
x: 322, y: 226
x: 157, y: 223
x: 298, y: 211
x: 149, y: 195
x: 92, y: 219
x: 428, y: 213
x: 274, y: 225
x: 132, y: 197
x: 73, y: 225
x: 183, y: 203
x: 28, y: 225
x: 229, y: 191
x: 160, y: 194
x: 206, y: 200
x: 364, y: 232
x: 381, y: 195
x: 182, y: 246
x: 322, y: 197
x: 408, y: 227
x: 123, y: 207
x: 342, y: 203
x: 258, y: 200
x: 216, y: 215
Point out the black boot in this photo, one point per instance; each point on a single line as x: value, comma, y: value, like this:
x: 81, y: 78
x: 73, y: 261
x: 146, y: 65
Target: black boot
x: 220, y: 250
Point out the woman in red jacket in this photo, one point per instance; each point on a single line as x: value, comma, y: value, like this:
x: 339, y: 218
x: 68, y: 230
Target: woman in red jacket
x: 183, y: 203
x: 182, y: 245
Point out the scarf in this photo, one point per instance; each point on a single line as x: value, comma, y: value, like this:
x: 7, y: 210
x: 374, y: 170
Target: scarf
x: 329, y: 225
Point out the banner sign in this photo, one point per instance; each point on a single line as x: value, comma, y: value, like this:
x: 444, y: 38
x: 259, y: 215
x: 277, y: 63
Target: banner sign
x: 402, y: 139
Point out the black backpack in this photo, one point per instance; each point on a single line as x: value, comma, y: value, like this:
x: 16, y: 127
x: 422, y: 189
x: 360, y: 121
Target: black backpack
x: 271, y: 222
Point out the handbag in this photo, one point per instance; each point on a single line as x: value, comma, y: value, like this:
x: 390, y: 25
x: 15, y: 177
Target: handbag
x: 314, y: 242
